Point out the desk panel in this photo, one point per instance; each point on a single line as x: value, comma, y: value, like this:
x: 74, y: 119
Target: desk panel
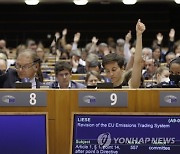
x: 67, y: 102
x: 148, y: 100
x: 61, y: 104
x: 50, y: 108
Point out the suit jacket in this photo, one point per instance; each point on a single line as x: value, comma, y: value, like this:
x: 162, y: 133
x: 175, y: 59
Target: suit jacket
x: 74, y: 85
x: 8, y: 79
x: 80, y: 70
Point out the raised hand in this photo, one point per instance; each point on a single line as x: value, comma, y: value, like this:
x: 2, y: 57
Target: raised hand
x: 159, y: 37
x: 77, y: 37
x: 64, y: 32
x: 128, y: 36
x: 94, y: 40
x: 57, y: 36
x: 140, y: 27
x: 75, y: 62
x: 172, y: 34
x: 137, y: 65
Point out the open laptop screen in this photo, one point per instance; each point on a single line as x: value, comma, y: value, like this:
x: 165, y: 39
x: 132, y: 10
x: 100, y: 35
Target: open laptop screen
x: 105, y: 85
x: 23, y: 133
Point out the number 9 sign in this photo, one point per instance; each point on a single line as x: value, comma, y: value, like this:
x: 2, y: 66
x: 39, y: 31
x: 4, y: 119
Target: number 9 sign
x: 113, y: 98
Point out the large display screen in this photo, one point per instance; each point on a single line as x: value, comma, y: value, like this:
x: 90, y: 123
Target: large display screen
x: 125, y: 134
x: 23, y: 133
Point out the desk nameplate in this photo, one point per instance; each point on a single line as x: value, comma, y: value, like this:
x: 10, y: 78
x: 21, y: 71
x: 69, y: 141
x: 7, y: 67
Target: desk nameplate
x: 23, y: 99
x: 169, y: 99
x: 103, y: 99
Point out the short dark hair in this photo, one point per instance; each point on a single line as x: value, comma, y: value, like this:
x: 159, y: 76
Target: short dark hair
x: 175, y: 60
x: 60, y: 66
x: 113, y: 57
x: 30, y: 42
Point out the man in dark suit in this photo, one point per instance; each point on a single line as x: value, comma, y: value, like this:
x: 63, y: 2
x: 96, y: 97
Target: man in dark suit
x: 27, y: 66
x: 63, y: 76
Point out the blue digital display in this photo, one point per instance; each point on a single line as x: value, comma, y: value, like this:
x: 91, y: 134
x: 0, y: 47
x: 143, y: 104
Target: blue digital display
x: 126, y: 134
x: 23, y: 134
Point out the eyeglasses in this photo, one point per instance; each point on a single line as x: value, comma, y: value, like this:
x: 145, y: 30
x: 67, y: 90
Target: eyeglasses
x: 63, y: 74
x: 24, y: 67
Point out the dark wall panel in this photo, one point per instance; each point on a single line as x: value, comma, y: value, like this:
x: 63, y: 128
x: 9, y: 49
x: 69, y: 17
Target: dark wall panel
x: 19, y: 22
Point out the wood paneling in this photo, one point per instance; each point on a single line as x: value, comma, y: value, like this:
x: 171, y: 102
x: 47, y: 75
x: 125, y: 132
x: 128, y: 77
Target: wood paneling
x: 50, y: 108
x: 62, y: 103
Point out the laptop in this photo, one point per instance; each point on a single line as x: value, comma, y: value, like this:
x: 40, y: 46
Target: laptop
x: 91, y: 87
x: 23, y: 85
x: 106, y: 85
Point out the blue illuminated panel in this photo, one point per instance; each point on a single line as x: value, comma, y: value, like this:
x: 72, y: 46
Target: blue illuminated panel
x: 23, y: 134
x: 126, y: 134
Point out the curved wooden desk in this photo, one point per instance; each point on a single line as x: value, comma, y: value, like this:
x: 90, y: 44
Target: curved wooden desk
x: 61, y: 104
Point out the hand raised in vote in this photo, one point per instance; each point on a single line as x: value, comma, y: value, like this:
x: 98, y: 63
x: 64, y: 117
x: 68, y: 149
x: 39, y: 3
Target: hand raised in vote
x: 140, y: 27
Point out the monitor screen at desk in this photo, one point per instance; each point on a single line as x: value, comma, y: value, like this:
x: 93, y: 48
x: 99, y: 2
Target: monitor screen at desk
x: 23, y: 133
x: 125, y: 134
